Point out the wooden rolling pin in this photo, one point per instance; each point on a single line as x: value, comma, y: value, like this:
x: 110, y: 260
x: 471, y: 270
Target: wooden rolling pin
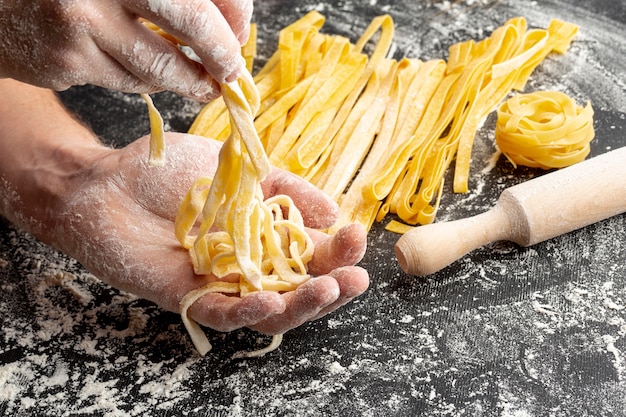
x: 527, y: 213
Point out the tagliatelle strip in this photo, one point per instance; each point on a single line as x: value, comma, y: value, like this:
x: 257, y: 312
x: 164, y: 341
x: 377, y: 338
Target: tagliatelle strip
x: 376, y: 134
x: 248, y: 51
x: 157, y: 132
x: 544, y: 129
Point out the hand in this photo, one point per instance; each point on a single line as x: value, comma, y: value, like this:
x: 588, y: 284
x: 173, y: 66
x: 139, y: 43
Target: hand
x: 57, y: 44
x: 117, y: 220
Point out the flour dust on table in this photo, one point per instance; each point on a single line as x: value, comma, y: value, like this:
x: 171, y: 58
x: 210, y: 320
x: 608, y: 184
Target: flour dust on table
x: 504, y: 331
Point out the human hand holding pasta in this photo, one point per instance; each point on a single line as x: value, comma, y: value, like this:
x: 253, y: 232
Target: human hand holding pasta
x: 149, y: 262
x: 57, y: 44
x: 115, y: 214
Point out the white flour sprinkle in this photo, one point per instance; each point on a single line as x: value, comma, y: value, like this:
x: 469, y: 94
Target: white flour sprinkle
x: 498, y: 333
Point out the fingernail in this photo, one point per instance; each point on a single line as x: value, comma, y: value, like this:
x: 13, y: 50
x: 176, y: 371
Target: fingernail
x: 235, y: 66
x: 234, y: 75
x: 204, y: 90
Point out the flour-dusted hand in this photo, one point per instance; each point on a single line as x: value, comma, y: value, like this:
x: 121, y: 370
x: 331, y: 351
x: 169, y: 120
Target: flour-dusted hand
x: 61, y: 43
x: 115, y: 214
x: 131, y: 245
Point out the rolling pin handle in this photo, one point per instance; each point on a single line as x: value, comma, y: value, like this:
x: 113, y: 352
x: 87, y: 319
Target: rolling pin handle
x: 527, y: 213
x: 427, y: 249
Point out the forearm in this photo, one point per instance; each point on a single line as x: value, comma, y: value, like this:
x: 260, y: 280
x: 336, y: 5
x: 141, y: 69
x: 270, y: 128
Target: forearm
x: 42, y: 147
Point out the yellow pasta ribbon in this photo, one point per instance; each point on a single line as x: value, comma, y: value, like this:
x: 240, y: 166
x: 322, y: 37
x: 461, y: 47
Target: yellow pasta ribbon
x: 157, y: 134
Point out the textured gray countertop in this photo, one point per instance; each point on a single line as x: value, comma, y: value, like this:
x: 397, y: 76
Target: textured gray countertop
x: 506, y: 330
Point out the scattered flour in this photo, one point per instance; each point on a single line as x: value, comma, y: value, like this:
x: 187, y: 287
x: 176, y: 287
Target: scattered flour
x: 533, y: 331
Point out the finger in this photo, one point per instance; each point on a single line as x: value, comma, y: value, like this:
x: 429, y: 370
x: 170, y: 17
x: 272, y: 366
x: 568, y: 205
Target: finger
x: 318, y: 210
x: 353, y: 281
x: 238, y: 14
x: 104, y: 71
x: 225, y: 313
x: 346, y: 247
x: 157, y: 62
x: 87, y: 63
x: 302, y: 305
x: 201, y: 25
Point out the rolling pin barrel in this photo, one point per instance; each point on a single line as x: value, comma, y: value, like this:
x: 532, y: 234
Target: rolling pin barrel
x: 528, y: 213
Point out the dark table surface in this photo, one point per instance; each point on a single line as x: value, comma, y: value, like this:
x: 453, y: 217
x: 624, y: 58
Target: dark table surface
x: 506, y: 330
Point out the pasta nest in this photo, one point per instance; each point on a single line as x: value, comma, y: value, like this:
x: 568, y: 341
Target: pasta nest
x: 544, y: 129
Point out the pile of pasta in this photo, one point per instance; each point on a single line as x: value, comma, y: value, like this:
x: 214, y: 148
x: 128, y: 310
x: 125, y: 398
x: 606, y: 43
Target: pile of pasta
x: 544, y: 129
x: 375, y: 133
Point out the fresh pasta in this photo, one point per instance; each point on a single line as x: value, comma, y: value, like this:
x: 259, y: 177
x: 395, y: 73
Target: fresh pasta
x: 377, y: 134
x: 544, y: 129
x: 262, y: 242
x: 245, y: 242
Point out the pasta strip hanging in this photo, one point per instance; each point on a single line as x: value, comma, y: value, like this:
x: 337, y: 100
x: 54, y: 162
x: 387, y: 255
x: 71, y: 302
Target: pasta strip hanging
x: 157, y: 132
